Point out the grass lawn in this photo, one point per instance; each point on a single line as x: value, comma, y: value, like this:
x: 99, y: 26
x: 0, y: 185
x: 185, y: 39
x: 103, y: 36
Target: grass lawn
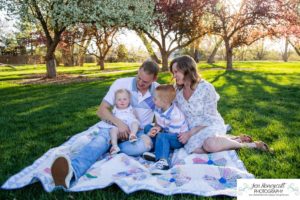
x: 261, y: 99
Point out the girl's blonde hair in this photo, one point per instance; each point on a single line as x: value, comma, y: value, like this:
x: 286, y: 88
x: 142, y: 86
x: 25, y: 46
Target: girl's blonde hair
x: 119, y: 91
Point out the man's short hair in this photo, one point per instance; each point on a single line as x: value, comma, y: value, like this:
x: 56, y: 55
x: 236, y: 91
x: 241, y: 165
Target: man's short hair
x: 150, y: 67
x: 166, y: 93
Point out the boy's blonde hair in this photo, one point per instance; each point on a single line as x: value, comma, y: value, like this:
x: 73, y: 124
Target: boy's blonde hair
x: 119, y: 91
x: 166, y: 93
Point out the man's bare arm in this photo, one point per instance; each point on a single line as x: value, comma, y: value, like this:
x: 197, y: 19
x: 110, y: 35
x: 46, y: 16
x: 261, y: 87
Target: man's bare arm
x: 104, y: 113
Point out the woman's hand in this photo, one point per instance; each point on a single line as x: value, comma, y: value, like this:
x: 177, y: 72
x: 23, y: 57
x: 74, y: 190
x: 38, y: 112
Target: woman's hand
x: 184, y: 137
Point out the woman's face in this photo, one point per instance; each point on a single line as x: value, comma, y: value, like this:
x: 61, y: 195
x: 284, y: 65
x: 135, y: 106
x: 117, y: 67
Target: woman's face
x: 177, y: 75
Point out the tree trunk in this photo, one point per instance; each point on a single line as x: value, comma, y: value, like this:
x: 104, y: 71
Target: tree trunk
x: 297, y: 49
x: 211, y: 58
x: 82, y: 51
x: 197, y: 56
x: 50, y: 59
x: 164, y: 56
x: 285, y: 55
x: 50, y: 56
x: 148, y: 47
x: 68, y: 61
x: 80, y: 60
x: 67, y: 57
x: 101, y: 63
x: 195, y: 50
x: 261, y: 51
x: 50, y: 64
x: 228, y: 56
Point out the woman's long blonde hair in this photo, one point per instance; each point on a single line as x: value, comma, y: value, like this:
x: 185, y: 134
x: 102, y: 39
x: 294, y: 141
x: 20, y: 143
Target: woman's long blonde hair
x: 187, y: 65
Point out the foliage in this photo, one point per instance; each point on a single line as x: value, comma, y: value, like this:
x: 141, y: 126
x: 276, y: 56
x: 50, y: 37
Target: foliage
x: 176, y: 24
x: 104, y: 40
x: 56, y: 15
x: 242, y: 23
x: 122, y: 53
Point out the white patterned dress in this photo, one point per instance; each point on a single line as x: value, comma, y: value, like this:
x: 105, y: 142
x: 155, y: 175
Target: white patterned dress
x: 201, y: 110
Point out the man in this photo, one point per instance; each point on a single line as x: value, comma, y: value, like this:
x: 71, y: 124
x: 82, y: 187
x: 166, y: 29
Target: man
x: 141, y: 87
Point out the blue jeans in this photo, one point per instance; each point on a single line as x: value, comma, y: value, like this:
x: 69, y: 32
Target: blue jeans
x: 99, y: 145
x: 164, y: 143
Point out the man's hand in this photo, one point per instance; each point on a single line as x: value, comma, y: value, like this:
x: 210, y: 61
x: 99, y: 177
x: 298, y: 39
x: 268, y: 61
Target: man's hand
x: 184, y: 137
x: 153, y: 131
x: 123, y: 130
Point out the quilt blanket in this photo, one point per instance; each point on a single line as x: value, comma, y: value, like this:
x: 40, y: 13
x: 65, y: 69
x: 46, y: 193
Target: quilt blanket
x: 199, y: 174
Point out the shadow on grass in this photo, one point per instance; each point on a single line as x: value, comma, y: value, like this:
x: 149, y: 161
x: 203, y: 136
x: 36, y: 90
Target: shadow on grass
x: 255, y: 93
x: 255, y: 104
x: 38, y: 117
x: 210, y: 66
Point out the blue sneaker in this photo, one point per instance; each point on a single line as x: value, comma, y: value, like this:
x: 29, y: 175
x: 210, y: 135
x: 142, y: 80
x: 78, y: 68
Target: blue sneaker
x: 160, y: 167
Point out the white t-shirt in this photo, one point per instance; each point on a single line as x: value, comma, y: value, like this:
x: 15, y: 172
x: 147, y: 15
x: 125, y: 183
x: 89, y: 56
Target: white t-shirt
x: 142, y: 104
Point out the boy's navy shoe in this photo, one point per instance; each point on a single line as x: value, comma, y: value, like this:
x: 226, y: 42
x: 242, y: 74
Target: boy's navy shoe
x: 149, y: 156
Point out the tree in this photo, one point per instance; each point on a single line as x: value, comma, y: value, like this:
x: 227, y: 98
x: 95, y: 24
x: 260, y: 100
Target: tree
x: 56, y: 15
x: 242, y: 24
x: 10, y: 45
x: 286, y: 52
x: 294, y: 25
x: 287, y: 26
x: 192, y: 50
x: 2, y: 30
x: 296, y: 45
x: 175, y: 25
x: 83, y: 43
x: 122, y: 53
x: 259, y: 50
x: 211, y: 58
x: 104, y: 37
x: 195, y: 51
x: 31, y: 35
x: 67, y: 45
x: 148, y: 46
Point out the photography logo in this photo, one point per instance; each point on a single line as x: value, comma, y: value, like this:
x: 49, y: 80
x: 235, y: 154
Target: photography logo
x: 281, y: 189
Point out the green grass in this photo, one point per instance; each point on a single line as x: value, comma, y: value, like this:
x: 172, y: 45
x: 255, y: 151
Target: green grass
x: 260, y: 98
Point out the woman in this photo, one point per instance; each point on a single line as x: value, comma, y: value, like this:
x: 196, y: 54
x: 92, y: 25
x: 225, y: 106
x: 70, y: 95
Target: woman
x: 197, y: 99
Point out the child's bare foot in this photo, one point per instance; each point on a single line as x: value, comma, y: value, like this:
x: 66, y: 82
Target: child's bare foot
x: 114, y: 149
x: 132, y: 138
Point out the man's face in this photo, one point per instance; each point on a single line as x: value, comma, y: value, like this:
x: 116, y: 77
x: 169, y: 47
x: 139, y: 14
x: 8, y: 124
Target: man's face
x: 144, y: 80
